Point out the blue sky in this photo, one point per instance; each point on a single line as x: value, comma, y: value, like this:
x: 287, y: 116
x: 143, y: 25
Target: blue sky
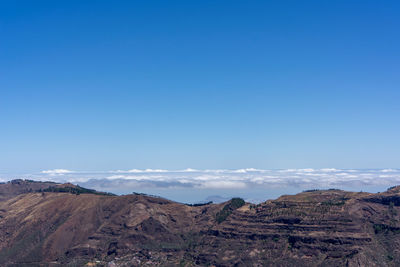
x: 108, y: 85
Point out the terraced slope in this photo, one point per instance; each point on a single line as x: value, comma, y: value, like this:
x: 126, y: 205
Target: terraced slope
x: 323, y: 228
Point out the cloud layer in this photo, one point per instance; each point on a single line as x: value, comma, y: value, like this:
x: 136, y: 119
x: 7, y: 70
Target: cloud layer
x: 228, y: 179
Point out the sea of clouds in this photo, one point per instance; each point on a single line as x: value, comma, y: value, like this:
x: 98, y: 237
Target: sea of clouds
x: 246, y: 181
x: 240, y: 178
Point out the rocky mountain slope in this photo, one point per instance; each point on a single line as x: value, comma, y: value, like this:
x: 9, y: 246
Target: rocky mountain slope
x: 16, y: 187
x: 316, y: 228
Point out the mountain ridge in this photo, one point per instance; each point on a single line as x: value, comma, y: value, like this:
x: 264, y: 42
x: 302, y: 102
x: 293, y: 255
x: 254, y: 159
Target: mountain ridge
x: 314, y: 228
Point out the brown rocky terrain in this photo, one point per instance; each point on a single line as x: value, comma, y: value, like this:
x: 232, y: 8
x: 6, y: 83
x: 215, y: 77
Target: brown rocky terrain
x: 16, y: 187
x: 315, y: 228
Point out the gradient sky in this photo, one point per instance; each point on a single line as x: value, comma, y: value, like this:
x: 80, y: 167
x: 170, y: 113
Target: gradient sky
x: 103, y: 85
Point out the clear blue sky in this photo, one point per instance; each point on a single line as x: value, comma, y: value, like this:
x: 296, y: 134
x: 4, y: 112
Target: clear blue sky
x: 101, y: 85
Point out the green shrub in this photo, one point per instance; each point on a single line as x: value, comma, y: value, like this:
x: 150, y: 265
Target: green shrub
x: 74, y: 190
x: 234, y: 204
x: 198, y: 204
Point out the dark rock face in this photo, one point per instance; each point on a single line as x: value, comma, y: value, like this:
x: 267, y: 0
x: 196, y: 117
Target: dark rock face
x: 318, y: 228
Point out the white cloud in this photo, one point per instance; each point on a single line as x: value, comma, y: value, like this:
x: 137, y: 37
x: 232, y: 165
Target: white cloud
x: 155, y: 170
x: 189, y: 170
x: 388, y: 170
x: 386, y: 176
x: 306, y: 170
x: 223, y: 185
x: 329, y: 170
x: 298, y: 170
x: 288, y: 170
x: 56, y: 172
x: 140, y: 171
x: 224, y: 178
x: 240, y: 171
x: 248, y: 170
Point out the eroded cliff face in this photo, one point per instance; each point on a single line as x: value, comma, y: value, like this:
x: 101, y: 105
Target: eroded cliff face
x: 332, y: 228
x: 318, y: 228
